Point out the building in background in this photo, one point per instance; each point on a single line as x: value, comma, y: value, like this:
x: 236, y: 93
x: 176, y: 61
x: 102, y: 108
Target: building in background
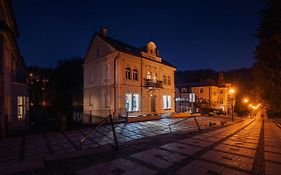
x: 124, y: 79
x: 209, y: 95
x: 13, y: 89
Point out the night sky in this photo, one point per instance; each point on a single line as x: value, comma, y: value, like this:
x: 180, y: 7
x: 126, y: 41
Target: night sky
x: 216, y: 34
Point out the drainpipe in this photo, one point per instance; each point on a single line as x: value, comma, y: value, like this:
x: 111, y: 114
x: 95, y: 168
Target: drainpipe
x: 141, y: 77
x: 115, y: 84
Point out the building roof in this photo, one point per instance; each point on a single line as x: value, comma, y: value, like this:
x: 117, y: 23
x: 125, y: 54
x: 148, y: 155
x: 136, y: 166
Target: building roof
x: 206, y: 83
x: 127, y: 48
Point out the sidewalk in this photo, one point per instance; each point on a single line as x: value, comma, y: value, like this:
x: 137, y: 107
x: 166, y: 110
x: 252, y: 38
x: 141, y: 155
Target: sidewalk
x: 146, y: 148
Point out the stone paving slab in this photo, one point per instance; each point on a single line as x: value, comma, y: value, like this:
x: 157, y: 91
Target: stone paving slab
x: 275, y: 157
x: 181, y: 148
x: 272, y: 168
x: 196, y: 142
x: 236, y: 150
x: 199, y: 167
x: 118, y: 166
x: 158, y: 157
x: 237, y: 161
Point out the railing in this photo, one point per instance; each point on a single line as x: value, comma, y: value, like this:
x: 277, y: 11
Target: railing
x: 150, y: 83
x: 185, y: 120
x: 16, y: 124
x: 94, y: 128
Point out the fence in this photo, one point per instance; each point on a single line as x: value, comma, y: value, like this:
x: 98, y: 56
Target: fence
x: 95, y: 116
x: 16, y: 125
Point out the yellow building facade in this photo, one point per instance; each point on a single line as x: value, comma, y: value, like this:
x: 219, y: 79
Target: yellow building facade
x: 219, y: 96
x: 125, y: 80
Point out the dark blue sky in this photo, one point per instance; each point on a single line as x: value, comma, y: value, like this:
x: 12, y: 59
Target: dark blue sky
x: 217, y: 34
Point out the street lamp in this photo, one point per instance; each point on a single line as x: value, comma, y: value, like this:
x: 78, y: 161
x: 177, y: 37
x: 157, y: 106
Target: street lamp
x: 246, y: 100
x: 232, y: 91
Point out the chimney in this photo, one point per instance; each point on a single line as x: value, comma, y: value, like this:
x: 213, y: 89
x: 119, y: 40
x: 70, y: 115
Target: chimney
x: 103, y: 31
x: 157, y: 53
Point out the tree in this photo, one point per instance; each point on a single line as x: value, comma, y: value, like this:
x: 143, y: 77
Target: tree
x: 267, y: 67
x: 68, y: 87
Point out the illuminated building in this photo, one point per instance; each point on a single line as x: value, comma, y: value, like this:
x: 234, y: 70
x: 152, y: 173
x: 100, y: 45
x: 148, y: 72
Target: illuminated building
x: 125, y: 80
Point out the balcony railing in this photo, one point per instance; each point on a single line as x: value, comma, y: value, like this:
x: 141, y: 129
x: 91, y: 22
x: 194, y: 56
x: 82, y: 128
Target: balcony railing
x: 153, y: 84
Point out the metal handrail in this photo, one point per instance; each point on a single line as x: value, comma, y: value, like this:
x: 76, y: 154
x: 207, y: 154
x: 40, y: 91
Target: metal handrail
x: 184, y: 120
x: 94, y: 128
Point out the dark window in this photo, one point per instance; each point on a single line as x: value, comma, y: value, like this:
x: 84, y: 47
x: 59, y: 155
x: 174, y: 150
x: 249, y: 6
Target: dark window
x: 201, y: 90
x: 164, y: 80
x: 169, y: 80
x: 135, y: 74
x: 128, y: 73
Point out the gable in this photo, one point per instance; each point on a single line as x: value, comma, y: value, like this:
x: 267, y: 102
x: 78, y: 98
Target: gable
x: 98, y: 48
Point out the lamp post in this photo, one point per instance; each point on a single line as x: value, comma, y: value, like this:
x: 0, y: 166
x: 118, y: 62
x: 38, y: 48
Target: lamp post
x: 232, y: 91
x: 246, y: 100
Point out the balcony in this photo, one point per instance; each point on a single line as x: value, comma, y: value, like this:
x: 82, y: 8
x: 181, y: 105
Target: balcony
x: 149, y: 83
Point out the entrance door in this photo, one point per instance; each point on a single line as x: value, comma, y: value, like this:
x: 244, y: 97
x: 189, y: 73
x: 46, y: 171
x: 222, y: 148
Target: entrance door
x: 153, y: 103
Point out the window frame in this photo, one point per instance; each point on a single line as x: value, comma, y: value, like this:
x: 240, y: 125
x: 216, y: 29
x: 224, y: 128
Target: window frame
x: 128, y: 71
x: 135, y: 74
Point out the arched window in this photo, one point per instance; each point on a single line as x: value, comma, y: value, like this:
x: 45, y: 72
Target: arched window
x: 128, y: 73
x: 164, y: 79
x: 169, y: 80
x: 135, y: 74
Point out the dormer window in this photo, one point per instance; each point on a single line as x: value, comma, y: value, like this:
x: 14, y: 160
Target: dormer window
x: 151, y: 48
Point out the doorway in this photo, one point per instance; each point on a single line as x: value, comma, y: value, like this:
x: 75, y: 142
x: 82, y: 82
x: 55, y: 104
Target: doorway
x: 153, y: 103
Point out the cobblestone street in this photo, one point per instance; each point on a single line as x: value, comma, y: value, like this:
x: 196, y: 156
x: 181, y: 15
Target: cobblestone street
x: 251, y: 146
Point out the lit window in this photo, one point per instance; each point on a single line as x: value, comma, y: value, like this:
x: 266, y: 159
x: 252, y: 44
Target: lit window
x: 21, y: 106
x: 148, y: 76
x: 154, y: 77
x: 135, y: 74
x: 128, y: 73
x: 167, y: 102
x: 132, y: 102
x: 201, y: 90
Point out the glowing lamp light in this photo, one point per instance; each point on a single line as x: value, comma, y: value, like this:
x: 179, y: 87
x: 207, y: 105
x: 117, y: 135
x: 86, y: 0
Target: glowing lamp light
x: 231, y: 90
x: 246, y: 100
